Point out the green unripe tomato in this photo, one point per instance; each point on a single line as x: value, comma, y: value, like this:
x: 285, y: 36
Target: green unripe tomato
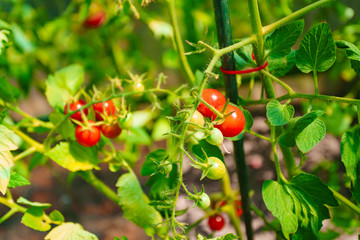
x: 126, y: 122
x: 217, y: 168
x: 166, y: 168
x: 196, y: 118
x: 215, y: 137
x: 204, y: 201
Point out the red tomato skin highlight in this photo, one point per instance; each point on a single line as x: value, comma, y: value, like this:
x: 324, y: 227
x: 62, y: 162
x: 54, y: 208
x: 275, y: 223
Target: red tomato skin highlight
x: 87, y: 137
x: 74, y: 106
x: 216, y: 222
x: 212, y: 97
x: 95, y: 20
x: 107, y: 108
x: 234, y: 123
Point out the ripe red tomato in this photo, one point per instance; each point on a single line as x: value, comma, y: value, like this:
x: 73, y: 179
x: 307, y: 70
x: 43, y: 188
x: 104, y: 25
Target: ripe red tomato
x: 102, y: 108
x: 239, y: 210
x: 234, y: 123
x: 212, y: 97
x: 87, y: 136
x: 216, y: 222
x: 110, y: 130
x: 95, y: 20
x: 75, y: 106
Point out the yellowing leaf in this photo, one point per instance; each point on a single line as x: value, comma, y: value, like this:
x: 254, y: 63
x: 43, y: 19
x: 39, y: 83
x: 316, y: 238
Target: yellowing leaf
x: 70, y: 231
x: 73, y: 157
x: 6, y: 158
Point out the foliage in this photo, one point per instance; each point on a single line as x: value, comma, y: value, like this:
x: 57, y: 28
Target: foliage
x: 130, y: 55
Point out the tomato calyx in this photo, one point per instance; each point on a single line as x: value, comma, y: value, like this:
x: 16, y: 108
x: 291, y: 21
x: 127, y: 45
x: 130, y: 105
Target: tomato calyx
x: 201, y: 199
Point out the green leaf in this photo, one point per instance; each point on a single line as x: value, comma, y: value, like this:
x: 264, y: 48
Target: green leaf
x: 160, y: 128
x: 33, y: 218
x: 281, y: 40
x: 70, y: 231
x: 4, y: 38
x: 300, y: 205
x: 6, y: 158
x: 306, y: 131
x: 317, y: 50
x: 24, y: 201
x: 313, y: 195
x: 56, y: 216
x: 152, y: 161
x: 211, y: 150
x: 74, y: 157
x: 66, y: 129
x: 16, y: 180
x: 163, y: 187
x: 350, y: 156
x: 8, y: 92
x: 281, y: 66
x: 21, y: 40
x: 63, y: 85
x: 279, y: 201
x: 136, y: 136
x: 352, y: 52
x: 311, y: 135
x: 135, y: 204
x: 249, y: 121
x: 279, y: 114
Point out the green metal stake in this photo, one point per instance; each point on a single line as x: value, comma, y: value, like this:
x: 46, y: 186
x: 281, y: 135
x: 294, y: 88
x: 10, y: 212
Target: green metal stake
x: 223, y: 26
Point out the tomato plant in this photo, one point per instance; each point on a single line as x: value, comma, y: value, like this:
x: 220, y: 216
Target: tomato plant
x: 88, y: 135
x: 233, y: 123
x: 216, y: 222
x: 110, y: 130
x: 95, y: 20
x: 216, y: 169
x: 102, y: 109
x: 204, y: 201
x: 214, y: 98
x: 75, y: 106
x: 174, y: 90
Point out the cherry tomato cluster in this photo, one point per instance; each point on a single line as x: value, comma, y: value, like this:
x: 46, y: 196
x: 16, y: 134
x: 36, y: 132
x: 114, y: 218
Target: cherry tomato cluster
x: 234, y: 122
x: 88, y: 132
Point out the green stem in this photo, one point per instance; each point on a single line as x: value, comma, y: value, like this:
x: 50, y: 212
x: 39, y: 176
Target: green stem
x: 261, y: 214
x: 258, y: 135
x: 257, y: 30
x: 38, y: 146
x: 325, y: 98
x: 227, y: 191
x: 178, y: 41
x: 284, y: 85
x: 7, y: 215
x: 89, y: 177
x: 345, y: 201
x: 316, y: 84
x: 25, y: 153
x: 295, y: 15
x: 280, y: 176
